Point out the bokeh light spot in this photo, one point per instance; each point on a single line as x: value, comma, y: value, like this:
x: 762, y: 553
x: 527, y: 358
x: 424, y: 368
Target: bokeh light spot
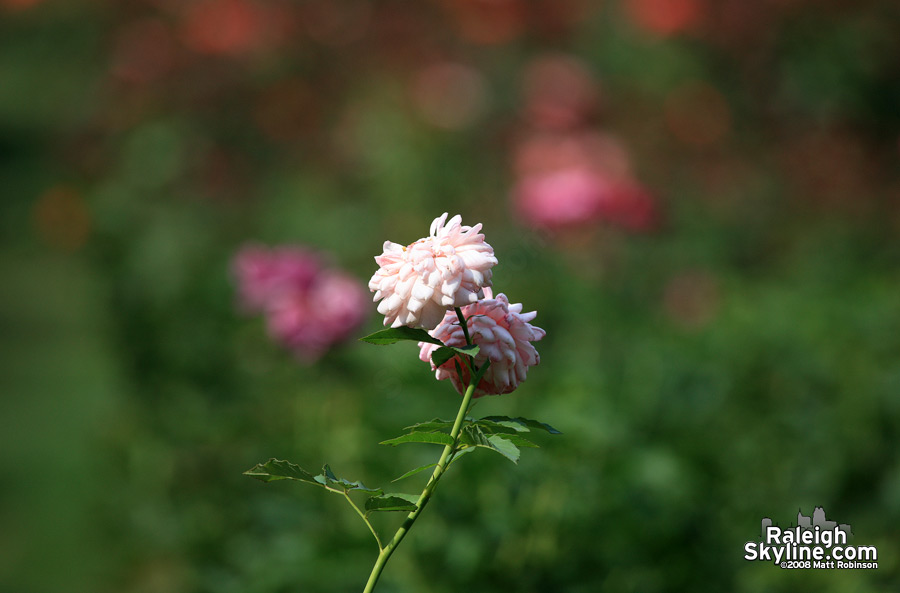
x: 664, y: 17
x: 285, y: 110
x: 223, y: 26
x: 16, y: 5
x: 333, y: 23
x: 692, y: 298
x: 144, y: 51
x: 697, y: 114
x: 488, y: 22
x: 559, y: 92
x: 448, y: 95
x: 61, y: 218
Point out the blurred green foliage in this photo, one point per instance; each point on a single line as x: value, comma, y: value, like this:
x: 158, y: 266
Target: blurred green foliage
x: 743, y: 361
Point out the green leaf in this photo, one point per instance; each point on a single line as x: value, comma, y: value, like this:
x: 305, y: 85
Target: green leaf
x: 413, y: 472
x: 505, y: 447
x: 473, y: 436
x: 277, y: 469
x: 457, y: 455
x: 392, y: 501
x: 445, y: 353
x: 504, y: 427
x: 431, y: 425
x: 437, y: 438
x: 397, y: 334
x: 518, y: 441
x: 511, y: 431
x: 523, y: 422
x: 331, y: 480
x: 327, y: 474
x: 460, y: 453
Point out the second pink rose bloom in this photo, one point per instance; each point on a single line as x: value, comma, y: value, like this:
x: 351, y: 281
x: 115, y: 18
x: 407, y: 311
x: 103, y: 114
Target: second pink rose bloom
x: 503, y: 334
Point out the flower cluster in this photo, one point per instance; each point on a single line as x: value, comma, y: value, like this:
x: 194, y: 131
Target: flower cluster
x: 423, y: 284
x: 308, y: 307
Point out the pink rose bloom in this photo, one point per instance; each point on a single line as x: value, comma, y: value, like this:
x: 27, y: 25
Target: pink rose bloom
x: 418, y: 283
x: 308, y: 308
x: 503, y: 334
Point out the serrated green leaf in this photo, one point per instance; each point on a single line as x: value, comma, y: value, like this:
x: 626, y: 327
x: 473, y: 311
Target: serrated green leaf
x: 396, y: 334
x: 328, y: 474
x: 445, y: 353
x: 279, y: 469
x: 347, y: 485
x: 526, y: 422
x: 430, y: 426
x: 437, y: 438
x: 392, y: 501
x: 276, y: 469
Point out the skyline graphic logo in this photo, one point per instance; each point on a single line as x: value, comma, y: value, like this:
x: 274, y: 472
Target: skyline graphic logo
x: 813, y: 542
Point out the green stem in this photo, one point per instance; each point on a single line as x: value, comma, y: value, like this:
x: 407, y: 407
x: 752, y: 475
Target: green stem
x: 442, y: 464
x: 365, y: 520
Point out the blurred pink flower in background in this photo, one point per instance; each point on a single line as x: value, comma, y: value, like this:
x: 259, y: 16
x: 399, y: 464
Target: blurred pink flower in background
x: 577, y: 196
x: 418, y: 283
x: 503, y: 334
x: 563, y: 198
x: 579, y: 179
x: 568, y: 174
x: 308, y: 307
x: 267, y: 274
